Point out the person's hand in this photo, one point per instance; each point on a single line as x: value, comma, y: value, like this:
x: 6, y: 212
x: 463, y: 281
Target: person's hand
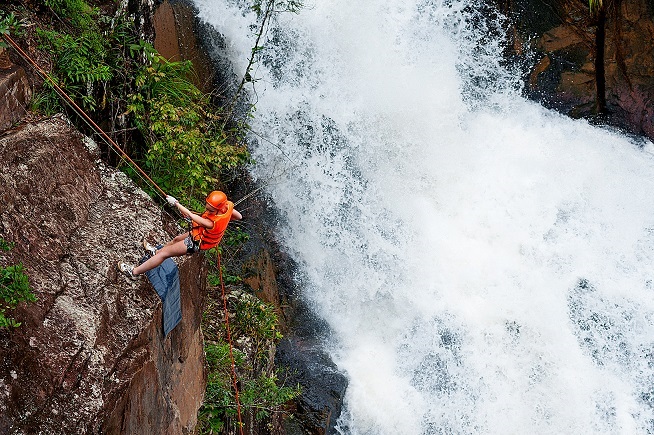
x: 171, y: 200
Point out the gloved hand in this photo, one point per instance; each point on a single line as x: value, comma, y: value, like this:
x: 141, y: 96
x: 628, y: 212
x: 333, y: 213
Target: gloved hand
x: 171, y: 200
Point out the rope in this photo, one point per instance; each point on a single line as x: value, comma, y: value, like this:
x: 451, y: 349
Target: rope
x: 80, y: 112
x: 229, y: 340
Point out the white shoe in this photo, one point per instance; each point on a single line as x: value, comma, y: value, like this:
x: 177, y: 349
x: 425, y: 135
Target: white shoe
x: 149, y: 248
x: 126, y: 269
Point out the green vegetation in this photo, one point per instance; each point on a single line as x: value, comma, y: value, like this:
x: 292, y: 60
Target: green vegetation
x: 9, y: 24
x: 182, y: 128
x: 5, y: 245
x: 595, y: 6
x: 14, y: 288
x: 255, y: 328
x: 177, y: 134
x: 84, y: 63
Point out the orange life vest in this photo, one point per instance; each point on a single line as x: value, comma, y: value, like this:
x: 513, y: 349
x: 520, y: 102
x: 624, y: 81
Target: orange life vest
x: 211, y: 237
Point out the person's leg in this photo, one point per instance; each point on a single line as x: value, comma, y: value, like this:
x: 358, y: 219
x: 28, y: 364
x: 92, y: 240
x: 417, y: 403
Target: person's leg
x: 179, y: 238
x: 170, y: 250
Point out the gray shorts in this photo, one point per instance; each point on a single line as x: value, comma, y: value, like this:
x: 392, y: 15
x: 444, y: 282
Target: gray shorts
x: 192, y: 246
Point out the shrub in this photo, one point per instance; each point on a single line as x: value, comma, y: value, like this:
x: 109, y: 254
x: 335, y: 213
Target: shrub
x: 255, y: 333
x: 9, y: 24
x: 14, y: 288
x: 188, y: 148
x: 80, y: 67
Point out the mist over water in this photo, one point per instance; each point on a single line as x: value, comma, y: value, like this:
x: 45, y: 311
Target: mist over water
x: 485, y: 264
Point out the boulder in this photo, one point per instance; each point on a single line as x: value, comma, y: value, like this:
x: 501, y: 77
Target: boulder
x: 90, y: 356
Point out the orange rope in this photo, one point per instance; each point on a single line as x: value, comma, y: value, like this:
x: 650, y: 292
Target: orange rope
x: 80, y: 111
x: 231, y: 354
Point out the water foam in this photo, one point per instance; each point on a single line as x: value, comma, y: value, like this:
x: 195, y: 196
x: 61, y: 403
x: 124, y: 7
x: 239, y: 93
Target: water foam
x: 484, y: 264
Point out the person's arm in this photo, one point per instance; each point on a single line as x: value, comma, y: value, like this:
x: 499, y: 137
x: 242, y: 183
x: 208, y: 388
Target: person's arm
x: 207, y: 223
x: 236, y: 215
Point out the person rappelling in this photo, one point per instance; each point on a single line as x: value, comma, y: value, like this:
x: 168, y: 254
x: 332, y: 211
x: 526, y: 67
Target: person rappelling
x: 206, y: 232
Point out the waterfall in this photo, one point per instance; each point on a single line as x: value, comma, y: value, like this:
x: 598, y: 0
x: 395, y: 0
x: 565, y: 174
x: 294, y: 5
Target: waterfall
x: 484, y: 264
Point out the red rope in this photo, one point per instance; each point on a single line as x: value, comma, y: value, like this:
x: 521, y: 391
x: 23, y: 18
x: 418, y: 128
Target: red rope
x: 80, y: 111
x: 231, y: 354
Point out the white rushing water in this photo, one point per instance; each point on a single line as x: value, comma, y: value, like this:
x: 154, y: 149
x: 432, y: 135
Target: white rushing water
x: 485, y: 265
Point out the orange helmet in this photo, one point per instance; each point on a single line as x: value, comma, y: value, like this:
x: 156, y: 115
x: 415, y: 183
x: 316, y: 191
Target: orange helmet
x: 216, y: 198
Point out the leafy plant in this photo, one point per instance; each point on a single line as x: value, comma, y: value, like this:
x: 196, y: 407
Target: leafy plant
x: 234, y: 237
x: 260, y: 395
x: 14, y: 288
x: 255, y: 332
x: 213, y: 278
x: 9, y: 24
x: 78, y: 12
x: 5, y: 245
x: 219, y: 400
x: 263, y: 396
x: 188, y: 148
x: 257, y: 320
x: 81, y: 64
x: 46, y: 101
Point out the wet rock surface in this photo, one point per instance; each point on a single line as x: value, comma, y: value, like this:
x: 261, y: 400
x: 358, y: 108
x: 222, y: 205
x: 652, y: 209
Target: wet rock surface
x: 301, y: 355
x: 90, y: 356
x: 561, y: 37
x: 323, y: 385
x: 175, y: 25
x: 264, y: 265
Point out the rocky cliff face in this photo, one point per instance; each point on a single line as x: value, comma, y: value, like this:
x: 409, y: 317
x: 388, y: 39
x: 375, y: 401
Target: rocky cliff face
x: 300, y: 355
x: 90, y: 356
x: 268, y: 271
x: 629, y: 63
x: 566, y: 75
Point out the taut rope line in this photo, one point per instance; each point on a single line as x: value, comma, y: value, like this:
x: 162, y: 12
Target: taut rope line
x: 229, y: 339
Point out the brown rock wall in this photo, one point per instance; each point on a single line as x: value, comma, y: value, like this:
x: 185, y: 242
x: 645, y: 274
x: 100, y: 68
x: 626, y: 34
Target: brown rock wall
x: 564, y: 76
x: 175, y: 39
x: 629, y: 63
x: 90, y: 356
